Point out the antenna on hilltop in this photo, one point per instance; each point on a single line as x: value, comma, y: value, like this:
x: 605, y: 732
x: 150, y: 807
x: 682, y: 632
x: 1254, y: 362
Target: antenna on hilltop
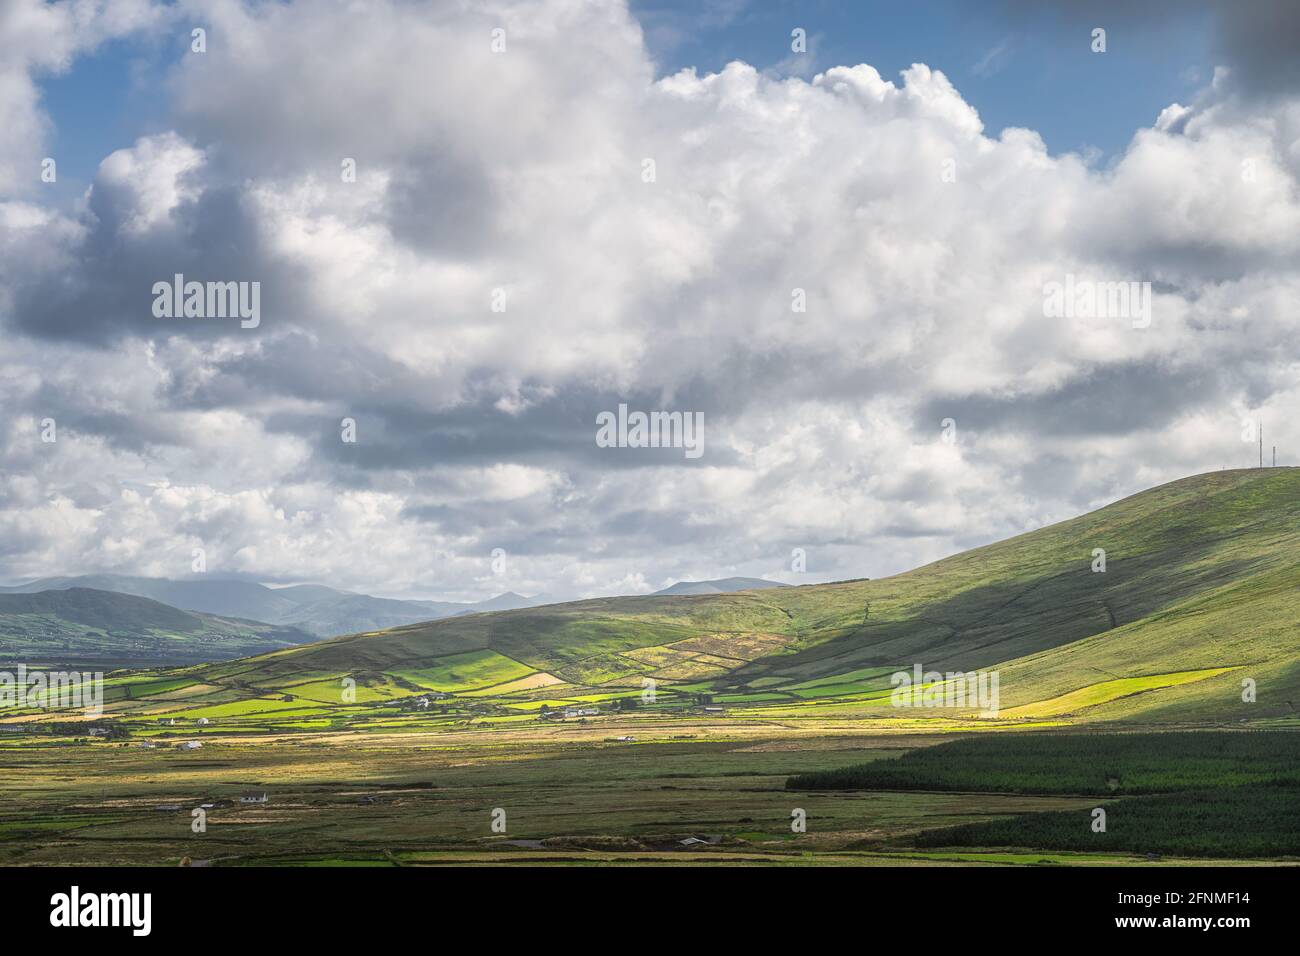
x: 1261, y: 444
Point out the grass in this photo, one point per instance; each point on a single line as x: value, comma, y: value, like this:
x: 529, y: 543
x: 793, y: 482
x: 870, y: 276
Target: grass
x: 1252, y: 820
x: 91, y: 629
x: 1091, y: 764
x: 1208, y: 794
x: 1106, y: 691
x: 1199, y: 595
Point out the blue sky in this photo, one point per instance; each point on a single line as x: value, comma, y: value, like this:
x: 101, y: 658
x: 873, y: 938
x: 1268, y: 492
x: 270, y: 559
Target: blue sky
x: 1017, y: 67
x: 105, y: 102
x: 925, y: 292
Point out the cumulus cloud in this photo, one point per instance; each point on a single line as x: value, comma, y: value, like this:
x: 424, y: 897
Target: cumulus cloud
x: 39, y: 39
x: 920, y: 241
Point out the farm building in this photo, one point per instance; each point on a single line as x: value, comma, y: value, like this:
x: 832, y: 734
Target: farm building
x: 255, y: 796
x: 189, y: 745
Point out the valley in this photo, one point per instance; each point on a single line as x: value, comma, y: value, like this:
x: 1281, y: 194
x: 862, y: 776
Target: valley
x: 672, y: 728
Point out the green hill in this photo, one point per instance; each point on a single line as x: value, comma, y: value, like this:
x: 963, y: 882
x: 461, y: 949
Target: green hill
x: 318, y: 610
x: 1198, y: 593
x: 83, y: 626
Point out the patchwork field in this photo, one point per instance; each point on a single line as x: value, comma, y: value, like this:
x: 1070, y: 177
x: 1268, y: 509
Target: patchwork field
x: 577, y: 794
x: 612, y: 730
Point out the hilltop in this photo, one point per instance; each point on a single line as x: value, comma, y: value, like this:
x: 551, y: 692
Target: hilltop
x: 320, y: 611
x: 87, y: 626
x: 1199, y: 592
x: 719, y: 586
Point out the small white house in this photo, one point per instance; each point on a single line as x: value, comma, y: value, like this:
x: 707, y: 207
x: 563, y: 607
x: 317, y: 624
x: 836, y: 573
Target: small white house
x: 167, y: 721
x: 627, y: 738
x: 202, y: 721
x: 258, y: 796
x: 190, y: 745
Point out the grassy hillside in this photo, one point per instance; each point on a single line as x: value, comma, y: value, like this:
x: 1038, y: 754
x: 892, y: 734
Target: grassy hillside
x: 318, y: 610
x: 1201, y: 793
x: 392, y: 746
x: 84, y: 626
x: 1199, y: 593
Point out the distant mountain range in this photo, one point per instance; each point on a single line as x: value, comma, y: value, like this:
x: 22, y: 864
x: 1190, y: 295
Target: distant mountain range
x: 1170, y: 606
x: 317, y: 610
x: 719, y: 586
x: 86, y: 627
x: 126, y: 621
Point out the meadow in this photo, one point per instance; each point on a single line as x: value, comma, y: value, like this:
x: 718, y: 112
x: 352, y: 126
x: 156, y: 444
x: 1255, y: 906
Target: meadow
x: 753, y: 727
x: 1098, y: 764
x: 574, y: 796
x: 1256, y: 820
x: 1206, y: 793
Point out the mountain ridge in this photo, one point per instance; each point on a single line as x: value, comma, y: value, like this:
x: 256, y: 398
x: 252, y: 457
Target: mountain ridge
x: 319, y: 610
x: 85, y: 624
x: 1198, y: 593
x: 719, y: 586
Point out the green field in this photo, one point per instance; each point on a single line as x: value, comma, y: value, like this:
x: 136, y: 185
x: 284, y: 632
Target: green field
x: 1248, y: 821
x: 1206, y: 793
x: 1115, y: 764
x: 619, y: 727
x: 1198, y: 595
x: 87, y: 628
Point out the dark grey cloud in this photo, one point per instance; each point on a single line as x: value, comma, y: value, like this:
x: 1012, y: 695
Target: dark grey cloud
x: 1115, y: 399
x: 444, y: 206
x: 1261, y: 40
x: 477, y: 430
x: 1258, y: 39
x: 104, y: 291
x: 558, y: 429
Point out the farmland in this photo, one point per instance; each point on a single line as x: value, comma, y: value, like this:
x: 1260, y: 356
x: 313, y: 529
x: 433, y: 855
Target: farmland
x: 753, y: 727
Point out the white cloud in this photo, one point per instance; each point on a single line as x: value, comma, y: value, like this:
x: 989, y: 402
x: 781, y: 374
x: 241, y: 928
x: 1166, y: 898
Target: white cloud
x: 37, y: 39
x: 523, y: 171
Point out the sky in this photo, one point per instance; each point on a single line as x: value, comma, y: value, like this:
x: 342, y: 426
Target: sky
x: 843, y: 258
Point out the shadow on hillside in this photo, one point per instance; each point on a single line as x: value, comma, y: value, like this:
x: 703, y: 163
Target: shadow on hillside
x: 995, y: 623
